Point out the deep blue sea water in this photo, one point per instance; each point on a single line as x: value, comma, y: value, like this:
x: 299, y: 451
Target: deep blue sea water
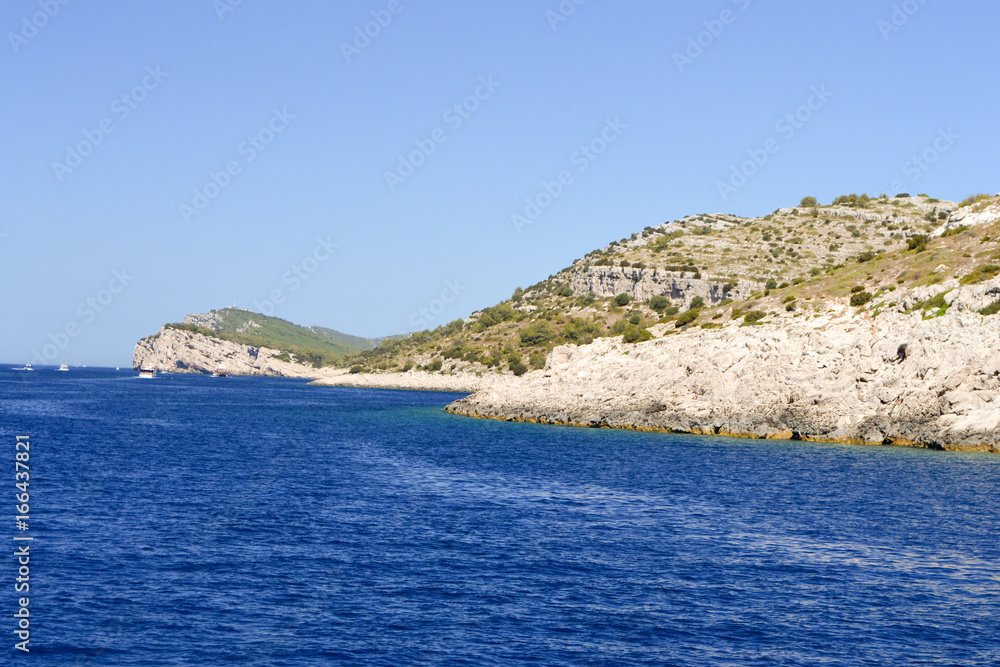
x: 205, y: 521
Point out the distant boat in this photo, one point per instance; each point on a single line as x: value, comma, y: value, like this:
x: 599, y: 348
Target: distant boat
x: 146, y: 372
x: 26, y: 367
x: 63, y: 367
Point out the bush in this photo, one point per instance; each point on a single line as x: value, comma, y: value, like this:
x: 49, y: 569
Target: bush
x: 517, y: 366
x: 687, y: 318
x: 860, y: 298
x: 357, y: 369
x: 917, y: 243
x: 537, y: 333
x: 537, y: 360
x: 671, y: 311
x: 771, y: 284
x: 659, y: 303
x: 984, y: 272
x: 581, y: 331
x: 866, y: 256
x: 435, y: 365
x: 635, y: 334
x: 622, y: 299
x: 619, y: 327
x: 754, y: 316
x: 635, y: 319
x: 991, y: 309
x: 697, y: 303
x: 564, y: 290
x: 974, y: 199
x: 857, y: 288
x: 808, y: 202
x: 503, y: 312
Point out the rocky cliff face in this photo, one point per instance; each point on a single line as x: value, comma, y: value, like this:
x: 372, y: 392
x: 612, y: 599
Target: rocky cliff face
x: 838, y: 376
x: 176, y: 351
x: 643, y: 284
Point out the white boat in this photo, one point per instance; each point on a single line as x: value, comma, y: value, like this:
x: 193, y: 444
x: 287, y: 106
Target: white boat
x: 146, y: 372
x: 26, y: 367
x: 220, y: 372
x: 63, y: 367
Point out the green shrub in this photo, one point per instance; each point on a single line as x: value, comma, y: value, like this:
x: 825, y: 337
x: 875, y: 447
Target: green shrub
x: 503, y: 312
x: 754, y: 316
x: 771, y: 284
x: 860, y: 298
x: 517, y: 366
x: 917, y: 243
x: 622, y: 299
x: 659, y: 303
x: 357, y: 369
x: 866, y: 256
x: 991, y: 309
x: 537, y: 333
x: 671, y: 311
x: 857, y: 288
x: 687, y: 318
x: 581, y: 331
x: 435, y: 365
x: 619, y: 326
x: 974, y: 199
x: 635, y: 319
x: 984, y: 272
x: 635, y: 334
x: 697, y: 303
x: 537, y: 360
x: 808, y: 202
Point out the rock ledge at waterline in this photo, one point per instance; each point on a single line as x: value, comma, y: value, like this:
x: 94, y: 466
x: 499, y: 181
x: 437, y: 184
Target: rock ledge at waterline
x: 840, y: 376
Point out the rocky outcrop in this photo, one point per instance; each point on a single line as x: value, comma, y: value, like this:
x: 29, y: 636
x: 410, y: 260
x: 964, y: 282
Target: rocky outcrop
x: 175, y: 351
x: 971, y: 216
x: 643, y: 284
x: 841, y: 375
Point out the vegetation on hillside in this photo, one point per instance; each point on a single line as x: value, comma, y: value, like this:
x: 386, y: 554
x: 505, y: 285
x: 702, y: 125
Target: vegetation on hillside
x: 301, y: 344
x: 860, y: 249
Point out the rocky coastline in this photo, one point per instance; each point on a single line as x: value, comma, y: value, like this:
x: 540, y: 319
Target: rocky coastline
x: 906, y: 377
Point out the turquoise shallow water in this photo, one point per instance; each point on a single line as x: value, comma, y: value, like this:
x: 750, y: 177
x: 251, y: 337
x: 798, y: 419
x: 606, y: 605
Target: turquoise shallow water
x: 197, y: 520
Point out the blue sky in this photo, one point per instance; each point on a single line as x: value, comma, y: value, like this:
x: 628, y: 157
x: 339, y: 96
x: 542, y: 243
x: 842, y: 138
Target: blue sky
x: 166, y: 158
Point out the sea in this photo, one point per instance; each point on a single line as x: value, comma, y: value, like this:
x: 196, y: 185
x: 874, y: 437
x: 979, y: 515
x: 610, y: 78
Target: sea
x: 192, y: 520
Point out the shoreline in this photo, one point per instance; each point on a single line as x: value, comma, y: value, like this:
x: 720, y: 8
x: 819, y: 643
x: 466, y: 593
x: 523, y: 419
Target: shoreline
x: 722, y: 433
x: 461, y: 383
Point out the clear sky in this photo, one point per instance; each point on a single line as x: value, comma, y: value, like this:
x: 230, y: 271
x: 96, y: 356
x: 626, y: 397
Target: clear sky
x: 162, y: 158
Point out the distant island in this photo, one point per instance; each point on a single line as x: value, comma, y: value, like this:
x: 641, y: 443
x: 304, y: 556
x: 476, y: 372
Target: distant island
x: 869, y: 320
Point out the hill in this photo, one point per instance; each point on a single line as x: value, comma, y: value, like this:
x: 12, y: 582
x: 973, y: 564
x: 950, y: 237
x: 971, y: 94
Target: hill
x: 234, y: 337
x: 708, y: 270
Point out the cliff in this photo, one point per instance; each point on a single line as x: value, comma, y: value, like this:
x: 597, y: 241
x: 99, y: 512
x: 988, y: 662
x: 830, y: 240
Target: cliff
x: 178, y: 351
x: 910, y: 374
